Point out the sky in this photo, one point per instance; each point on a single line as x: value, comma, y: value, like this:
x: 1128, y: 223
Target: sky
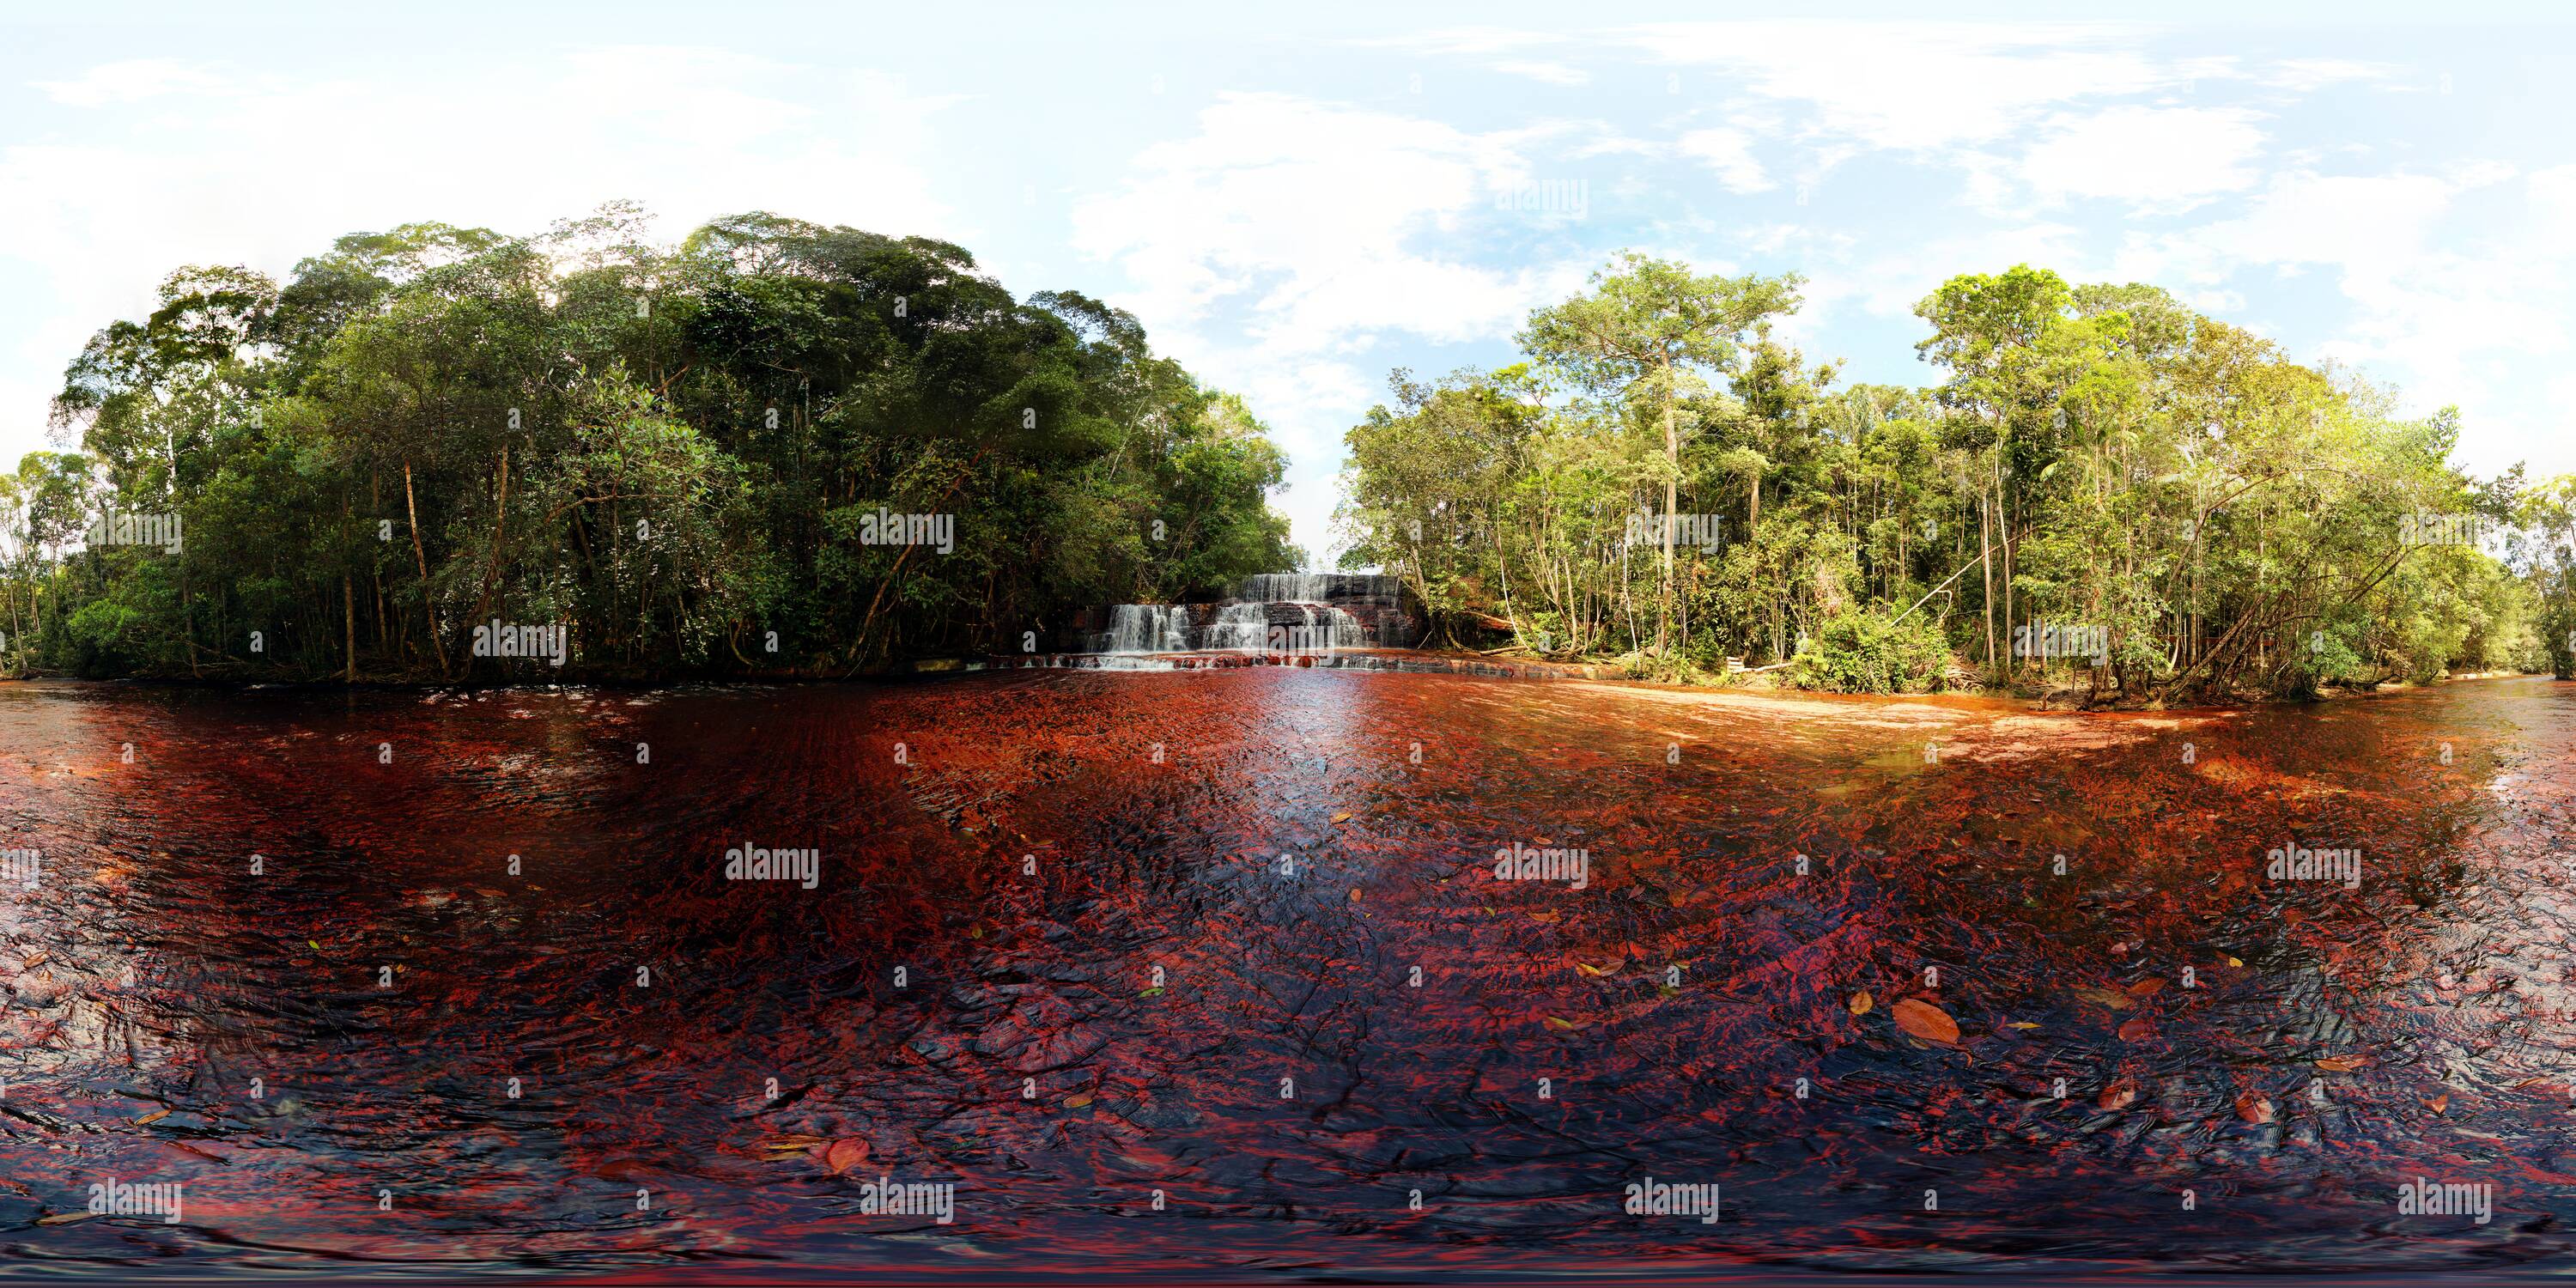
x: 1296, y: 203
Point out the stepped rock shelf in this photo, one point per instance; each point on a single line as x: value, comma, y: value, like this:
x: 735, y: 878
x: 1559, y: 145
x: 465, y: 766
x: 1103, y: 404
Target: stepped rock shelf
x: 1405, y: 660
x: 1275, y: 612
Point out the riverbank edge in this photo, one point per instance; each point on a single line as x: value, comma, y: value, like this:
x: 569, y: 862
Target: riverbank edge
x: 1394, y: 661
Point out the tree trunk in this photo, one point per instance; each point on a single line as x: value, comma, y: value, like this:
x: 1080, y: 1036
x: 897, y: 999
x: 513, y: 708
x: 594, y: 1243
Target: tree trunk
x: 1672, y: 504
x: 420, y: 559
x: 348, y: 606
x: 500, y: 530
x: 1986, y: 561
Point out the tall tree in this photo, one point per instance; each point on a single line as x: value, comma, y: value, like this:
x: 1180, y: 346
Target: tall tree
x: 1648, y: 327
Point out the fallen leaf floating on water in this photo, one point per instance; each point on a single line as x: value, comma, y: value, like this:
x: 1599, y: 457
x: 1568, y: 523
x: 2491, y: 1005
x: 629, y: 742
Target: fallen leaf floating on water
x: 843, y: 1154
x: 2138, y: 1030
x: 2254, y: 1108
x: 1077, y: 1102
x: 1567, y: 1025
x: 1596, y: 972
x: 1860, y: 1002
x: 2234, y: 962
x: 1355, y: 894
x: 2119, y: 1095
x: 2110, y: 997
x: 1925, y: 1021
x: 2440, y: 1104
x: 2343, y: 1063
x: 1342, y: 817
x: 2021, y: 1024
x: 151, y: 1118
x: 2147, y: 987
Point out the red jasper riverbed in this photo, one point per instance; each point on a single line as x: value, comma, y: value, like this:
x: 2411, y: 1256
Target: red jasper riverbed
x: 1028, y: 848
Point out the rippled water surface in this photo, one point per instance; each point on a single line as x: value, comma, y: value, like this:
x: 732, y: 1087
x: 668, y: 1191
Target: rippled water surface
x: 968, y: 996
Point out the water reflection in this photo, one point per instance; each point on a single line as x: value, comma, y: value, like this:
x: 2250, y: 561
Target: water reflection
x: 1361, y: 1050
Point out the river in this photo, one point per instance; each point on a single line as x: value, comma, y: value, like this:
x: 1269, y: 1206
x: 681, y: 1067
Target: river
x: 1212, y: 973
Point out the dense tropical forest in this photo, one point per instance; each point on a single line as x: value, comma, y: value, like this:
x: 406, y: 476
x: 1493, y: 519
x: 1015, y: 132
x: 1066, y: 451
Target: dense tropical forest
x: 2105, y: 492
x: 444, y: 453
x: 436, y: 452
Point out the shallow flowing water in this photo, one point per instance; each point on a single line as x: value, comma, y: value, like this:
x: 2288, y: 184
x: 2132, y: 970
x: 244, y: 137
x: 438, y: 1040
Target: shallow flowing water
x: 1363, y: 1054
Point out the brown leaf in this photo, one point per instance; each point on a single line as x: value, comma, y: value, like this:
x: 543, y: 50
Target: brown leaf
x: 843, y: 1154
x: 2440, y: 1104
x: 2119, y: 1095
x: 2147, y: 987
x: 2138, y: 1030
x: 1077, y: 1101
x: 2253, y: 1107
x: 1925, y: 1021
x: 1860, y: 1002
x: 2343, y: 1063
x: 1342, y: 817
x: 151, y: 1118
x: 2112, y: 998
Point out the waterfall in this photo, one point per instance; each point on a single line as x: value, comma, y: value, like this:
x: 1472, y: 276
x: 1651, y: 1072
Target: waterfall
x: 1287, y: 587
x: 1331, y: 611
x: 1149, y: 628
x: 1347, y: 631
x: 1240, y: 625
x: 1319, y: 587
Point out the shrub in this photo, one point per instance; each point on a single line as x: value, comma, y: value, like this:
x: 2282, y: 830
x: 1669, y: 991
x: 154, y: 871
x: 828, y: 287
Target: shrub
x: 1870, y: 652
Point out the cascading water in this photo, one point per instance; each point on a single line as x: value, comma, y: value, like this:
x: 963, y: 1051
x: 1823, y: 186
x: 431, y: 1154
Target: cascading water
x: 1295, y: 612
x: 1326, y: 623
x: 1347, y: 631
x: 1149, y: 628
x: 1240, y: 625
x: 1288, y: 587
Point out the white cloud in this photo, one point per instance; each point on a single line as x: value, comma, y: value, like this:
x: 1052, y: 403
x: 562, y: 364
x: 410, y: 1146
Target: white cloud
x: 2370, y: 226
x: 1305, y: 213
x: 1281, y: 247
x: 1729, y: 152
x: 130, y: 81
x: 2449, y: 317
x: 1919, y: 86
x: 2155, y: 158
